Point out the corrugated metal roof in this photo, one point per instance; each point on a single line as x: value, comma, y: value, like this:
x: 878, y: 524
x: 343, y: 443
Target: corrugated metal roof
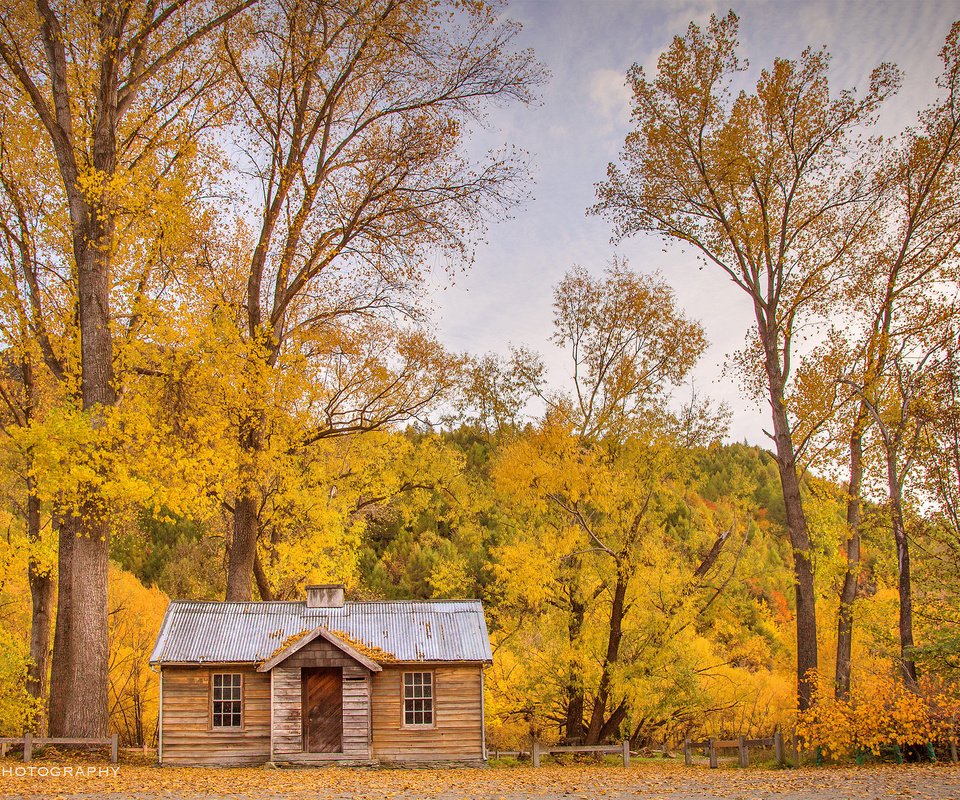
x: 430, y: 630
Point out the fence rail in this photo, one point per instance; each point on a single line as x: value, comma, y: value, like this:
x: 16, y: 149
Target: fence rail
x: 29, y: 741
x: 742, y: 745
x: 620, y: 749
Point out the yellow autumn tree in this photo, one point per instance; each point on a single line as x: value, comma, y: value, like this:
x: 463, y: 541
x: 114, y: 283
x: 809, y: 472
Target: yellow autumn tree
x: 355, y: 119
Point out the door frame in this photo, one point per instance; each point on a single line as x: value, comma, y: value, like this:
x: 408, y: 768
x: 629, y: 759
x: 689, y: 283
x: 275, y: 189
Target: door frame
x: 304, y: 672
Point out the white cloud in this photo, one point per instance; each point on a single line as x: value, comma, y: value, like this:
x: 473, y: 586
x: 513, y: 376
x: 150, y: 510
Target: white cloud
x: 609, y: 95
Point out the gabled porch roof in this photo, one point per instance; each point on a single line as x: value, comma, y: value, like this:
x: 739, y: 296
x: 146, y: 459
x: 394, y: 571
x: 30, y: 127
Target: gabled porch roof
x: 284, y: 652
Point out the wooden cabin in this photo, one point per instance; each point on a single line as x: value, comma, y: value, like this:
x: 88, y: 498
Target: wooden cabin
x: 321, y: 681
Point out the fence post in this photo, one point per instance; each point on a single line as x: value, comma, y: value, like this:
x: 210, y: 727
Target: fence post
x: 535, y: 753
x: 778, y: 746
x: 796, y: 752
x: 3, y: 749
x: 713, y: 754
x: 687, y: 752
x: 27, y: 746
x: 626, y: 752
x: 113, y: 749
x: 744, y: 756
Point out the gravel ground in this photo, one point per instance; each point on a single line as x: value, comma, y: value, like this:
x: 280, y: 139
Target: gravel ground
x: 666, y: 782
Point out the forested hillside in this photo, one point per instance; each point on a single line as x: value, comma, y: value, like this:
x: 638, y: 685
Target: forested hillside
x: 220, y: 379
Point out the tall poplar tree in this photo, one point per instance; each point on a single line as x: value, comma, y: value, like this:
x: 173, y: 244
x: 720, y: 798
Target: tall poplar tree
x: 111, y: 86
x: 761, y: 185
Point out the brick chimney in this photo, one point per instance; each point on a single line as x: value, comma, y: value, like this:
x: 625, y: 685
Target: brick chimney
x: 325, y: 595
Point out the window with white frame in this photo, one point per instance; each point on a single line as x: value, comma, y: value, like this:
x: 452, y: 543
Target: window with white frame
x: 227, y: 700
x: 418, y: 698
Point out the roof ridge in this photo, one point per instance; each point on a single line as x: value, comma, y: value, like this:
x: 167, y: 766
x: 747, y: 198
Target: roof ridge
x: 261, y: 603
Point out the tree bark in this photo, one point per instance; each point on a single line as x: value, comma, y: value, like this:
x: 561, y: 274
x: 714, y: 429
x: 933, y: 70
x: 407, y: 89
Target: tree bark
x: 82, y: 580
x: 41, y: 615
x: 39, y: 576
x: 908, y: 666
x: 62, y: 666
x: 573, y: 729
x: 851, y: 577
x: 614, y: 639
x: 796, y: 526
x: 85, y: 687
x: 263, y: 583
x: 243, y: 550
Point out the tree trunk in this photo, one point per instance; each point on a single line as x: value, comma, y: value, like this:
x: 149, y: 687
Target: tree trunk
x: 61, y: 666
x: 263, y: 583
x: 908, y: 667
x: 851, y: 578
x: 614, y: 638
x: 573, y: 730
x: 39, y: 576
x: 41, y: 617
x: 796, y: 527
x: 243, y: 550
x: 79, y: 684
x: 612, y: 726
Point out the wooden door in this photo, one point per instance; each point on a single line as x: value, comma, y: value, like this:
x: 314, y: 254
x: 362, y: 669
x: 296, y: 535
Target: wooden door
x: 322, y: 710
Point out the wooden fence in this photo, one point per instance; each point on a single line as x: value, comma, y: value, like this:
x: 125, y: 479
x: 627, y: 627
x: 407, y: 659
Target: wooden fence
x: 28, y: 741
x: 619, y: 749
x: 742, y: 745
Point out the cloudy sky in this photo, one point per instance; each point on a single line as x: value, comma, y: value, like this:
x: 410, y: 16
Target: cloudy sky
x: 588, y: 45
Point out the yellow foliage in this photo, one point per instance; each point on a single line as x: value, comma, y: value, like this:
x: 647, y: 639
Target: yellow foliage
x: 136, y: 613
x: 880, y: 712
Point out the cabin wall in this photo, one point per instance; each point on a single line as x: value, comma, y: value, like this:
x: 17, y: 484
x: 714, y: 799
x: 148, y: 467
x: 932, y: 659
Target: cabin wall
x: 457, y: 733
x: 188, y: 736
x: 288, y: 703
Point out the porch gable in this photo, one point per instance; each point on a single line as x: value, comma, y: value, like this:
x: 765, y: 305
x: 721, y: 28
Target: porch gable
x: 306, y: 640
x: 319, y: 649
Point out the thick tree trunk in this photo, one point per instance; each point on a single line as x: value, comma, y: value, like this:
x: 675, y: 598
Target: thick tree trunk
x: 614, y: 639
x: 41, y: 616
x: 85, y: 688
x: 908, y: 666
x: 851, y: 578
x: 78, y: 684
x: 797, y: 529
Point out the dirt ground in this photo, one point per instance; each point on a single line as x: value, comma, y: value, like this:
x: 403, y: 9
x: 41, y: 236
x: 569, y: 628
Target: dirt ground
x: 51, y: 779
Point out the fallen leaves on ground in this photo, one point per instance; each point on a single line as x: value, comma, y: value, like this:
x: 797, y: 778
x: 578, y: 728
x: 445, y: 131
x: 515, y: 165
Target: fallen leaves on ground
x: 652, y: 782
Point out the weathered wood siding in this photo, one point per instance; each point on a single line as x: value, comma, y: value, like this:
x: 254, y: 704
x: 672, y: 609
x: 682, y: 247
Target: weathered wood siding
x: 188, y: 737
x: 457, y: 733
x: 287, y: 720
x: 288, y: 702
